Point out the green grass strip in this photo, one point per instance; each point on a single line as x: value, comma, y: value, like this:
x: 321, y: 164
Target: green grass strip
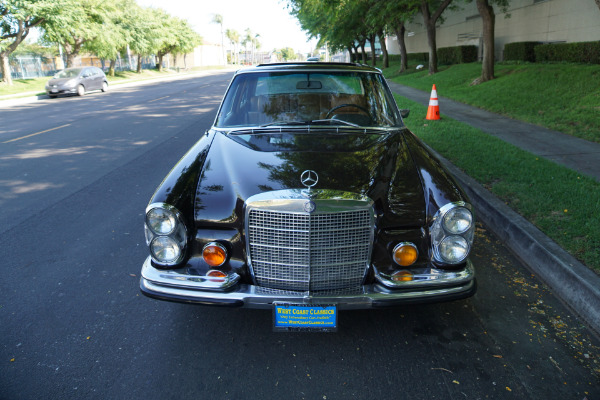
x: 562, y: 203
x: 561, y: 97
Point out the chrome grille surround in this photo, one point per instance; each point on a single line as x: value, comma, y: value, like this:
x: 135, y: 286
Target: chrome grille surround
x: 289, y: 248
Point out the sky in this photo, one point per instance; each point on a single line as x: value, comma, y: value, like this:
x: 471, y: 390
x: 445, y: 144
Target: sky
x: 268, y: 18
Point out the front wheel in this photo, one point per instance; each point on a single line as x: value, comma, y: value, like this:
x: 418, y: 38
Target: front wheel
x: 104, y: 86
x: 80, y: 90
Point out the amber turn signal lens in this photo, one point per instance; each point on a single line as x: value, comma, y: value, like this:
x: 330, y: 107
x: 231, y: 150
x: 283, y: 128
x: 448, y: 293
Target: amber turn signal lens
x: 214, y: 254
x: 405, y: 254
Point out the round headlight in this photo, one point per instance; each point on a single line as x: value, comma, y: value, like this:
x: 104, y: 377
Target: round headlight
x: 165, y: 250
x: 458, y: 220
x: 454, y: 249
x: 161, y: 221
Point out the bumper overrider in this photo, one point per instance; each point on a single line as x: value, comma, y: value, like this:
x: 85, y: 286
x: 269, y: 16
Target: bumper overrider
x: 428, y: 285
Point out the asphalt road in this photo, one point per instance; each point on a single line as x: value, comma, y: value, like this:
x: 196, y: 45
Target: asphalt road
x: 75, y: 177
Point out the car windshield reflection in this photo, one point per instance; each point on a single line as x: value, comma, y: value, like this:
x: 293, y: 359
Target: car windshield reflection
x: 313, y: 98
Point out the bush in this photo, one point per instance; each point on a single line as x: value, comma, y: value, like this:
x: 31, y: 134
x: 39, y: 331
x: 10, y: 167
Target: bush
x: 581, y: 52
x: 457, y: 55
x: 520, y: 51
x: 416, y: 57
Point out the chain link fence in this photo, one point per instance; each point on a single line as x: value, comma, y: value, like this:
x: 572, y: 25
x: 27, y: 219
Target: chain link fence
x: 31, y: 66
x: 35, y: 66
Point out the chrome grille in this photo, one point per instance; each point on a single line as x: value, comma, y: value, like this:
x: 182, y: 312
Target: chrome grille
x: 309, y: 252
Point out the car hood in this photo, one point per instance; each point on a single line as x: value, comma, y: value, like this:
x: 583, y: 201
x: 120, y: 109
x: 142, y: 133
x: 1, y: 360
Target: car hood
x: 60, y: 81
x: 377, y: 165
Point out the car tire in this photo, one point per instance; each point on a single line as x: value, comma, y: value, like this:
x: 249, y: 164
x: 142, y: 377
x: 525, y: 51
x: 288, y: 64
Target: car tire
x: 80, y: 90
x: 104, y: 86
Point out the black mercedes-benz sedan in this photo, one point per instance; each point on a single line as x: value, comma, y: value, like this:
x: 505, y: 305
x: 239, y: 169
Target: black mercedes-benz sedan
x: 307, y: 196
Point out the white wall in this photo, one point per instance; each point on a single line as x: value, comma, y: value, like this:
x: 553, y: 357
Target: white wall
x: 530, y: 20
x: 207, y: 55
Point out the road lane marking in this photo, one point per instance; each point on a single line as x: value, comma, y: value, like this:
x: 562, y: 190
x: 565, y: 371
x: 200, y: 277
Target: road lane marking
x: 160, y: 98
x: 37, y: 133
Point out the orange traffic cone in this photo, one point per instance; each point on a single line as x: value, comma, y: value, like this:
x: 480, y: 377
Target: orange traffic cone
x: 433, y: 112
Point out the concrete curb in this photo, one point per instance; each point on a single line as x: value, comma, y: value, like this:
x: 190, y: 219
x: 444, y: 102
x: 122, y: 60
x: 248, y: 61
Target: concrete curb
x: 574, y: 283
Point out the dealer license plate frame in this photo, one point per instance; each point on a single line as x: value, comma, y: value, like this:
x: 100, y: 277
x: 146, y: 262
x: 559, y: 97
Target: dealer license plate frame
x: 289, y: 317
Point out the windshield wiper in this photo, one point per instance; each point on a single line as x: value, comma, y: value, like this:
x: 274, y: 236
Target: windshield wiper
x: 284, y: 123
x: 277, y: 127
x: 334, y: 120
x: 316, y: 121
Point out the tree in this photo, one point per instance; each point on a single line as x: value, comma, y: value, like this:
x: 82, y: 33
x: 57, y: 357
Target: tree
x: 176, y: 36
x: 400, y: 31
x: 17, y: 19
x: 248, y: 40
x: 110, y: 41
x: 187, y: 41
x: 430, y: 19
x: 384, y: 52
x: 377, y: 19
x: 234, y: 39
x: 288, y: 54
x: 255, y: 46
x: 86, y: 21
x: 332, y: 22
x: 166, y: 38
x: 396, y: 14
x: 372, y: 38
x: 344, y: 24
x: 218, y: 19
x: 489, y: 22
x: 488, y: 17
x: 144, y: 31
x: 341, y: 24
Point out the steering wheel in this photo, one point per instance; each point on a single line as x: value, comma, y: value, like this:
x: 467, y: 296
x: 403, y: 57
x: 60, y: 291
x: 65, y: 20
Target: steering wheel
x: 348, y: 105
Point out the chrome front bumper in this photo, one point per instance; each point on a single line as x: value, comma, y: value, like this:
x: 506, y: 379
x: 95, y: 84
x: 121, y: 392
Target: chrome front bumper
x: 176, y: 285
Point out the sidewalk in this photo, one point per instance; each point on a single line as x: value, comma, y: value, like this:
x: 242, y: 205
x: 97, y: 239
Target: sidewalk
x: 571, y: 281
x: 577, y: 154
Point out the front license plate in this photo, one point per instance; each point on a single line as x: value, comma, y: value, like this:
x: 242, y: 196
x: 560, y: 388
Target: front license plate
x: 298, y: 317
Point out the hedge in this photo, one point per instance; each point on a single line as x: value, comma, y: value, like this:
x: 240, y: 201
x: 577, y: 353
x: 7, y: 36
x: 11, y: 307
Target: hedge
x: 520, y: 51
x: 457, y: 55
x: 446, y: 55
x: 419, y: 57
x: 581, y: 52
x: 416, y: 57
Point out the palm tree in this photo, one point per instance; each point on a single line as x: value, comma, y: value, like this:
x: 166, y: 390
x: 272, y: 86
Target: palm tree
x: 247, y: 40
x: 234, y: 39
x: 255, y: 46
x: 218, y: 19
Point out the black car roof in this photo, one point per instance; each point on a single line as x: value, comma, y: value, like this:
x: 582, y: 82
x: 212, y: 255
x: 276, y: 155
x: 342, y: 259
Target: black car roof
x: 312, y: 66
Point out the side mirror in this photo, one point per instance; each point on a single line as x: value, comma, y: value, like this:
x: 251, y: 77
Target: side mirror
x: 404, y: 113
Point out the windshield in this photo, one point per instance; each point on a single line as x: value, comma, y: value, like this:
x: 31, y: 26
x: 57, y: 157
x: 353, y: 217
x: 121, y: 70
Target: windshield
x: 307, y: 98
x: 68, y: 73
